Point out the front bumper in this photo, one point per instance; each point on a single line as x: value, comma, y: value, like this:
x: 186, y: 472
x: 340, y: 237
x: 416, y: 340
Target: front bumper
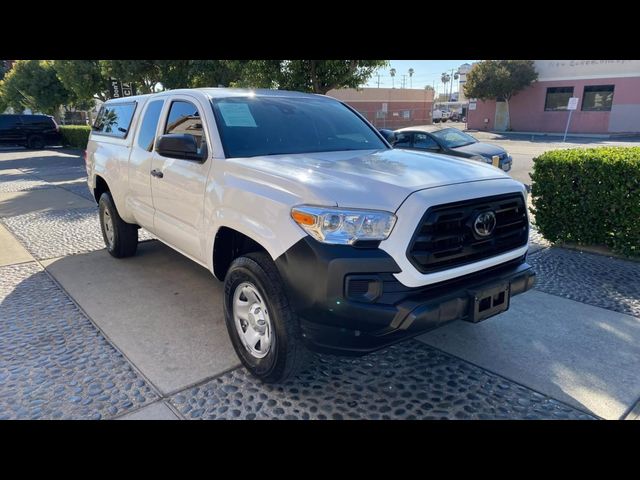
x: 317, y: 278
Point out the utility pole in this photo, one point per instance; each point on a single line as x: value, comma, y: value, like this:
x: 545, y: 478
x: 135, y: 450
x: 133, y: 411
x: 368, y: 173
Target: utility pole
x: 451, y: 88
x: 378, y: 80
x: 404, y: 81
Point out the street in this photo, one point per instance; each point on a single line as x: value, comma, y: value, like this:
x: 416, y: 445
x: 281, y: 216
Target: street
x: 86, y: 336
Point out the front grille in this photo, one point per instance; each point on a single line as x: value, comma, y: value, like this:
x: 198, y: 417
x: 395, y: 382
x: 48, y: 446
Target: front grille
x: 445, y: 237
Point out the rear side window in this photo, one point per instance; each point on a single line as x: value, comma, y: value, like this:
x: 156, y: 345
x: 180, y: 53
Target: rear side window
x: 114, y: 120
x: 184, y: 118
x: 149, y: 125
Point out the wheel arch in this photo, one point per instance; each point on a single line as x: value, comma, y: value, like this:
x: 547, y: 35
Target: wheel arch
x: 230, y: 244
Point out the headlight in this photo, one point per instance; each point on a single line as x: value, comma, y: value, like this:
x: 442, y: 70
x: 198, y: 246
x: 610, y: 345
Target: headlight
x: 344, y: 227
x: 480, y: 158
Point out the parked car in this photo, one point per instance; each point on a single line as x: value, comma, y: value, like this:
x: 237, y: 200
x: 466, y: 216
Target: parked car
x: 326, y: 238
x: 31, y: 131
x: 451, y: 141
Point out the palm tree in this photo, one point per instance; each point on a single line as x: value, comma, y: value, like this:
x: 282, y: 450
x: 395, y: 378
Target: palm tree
x: 445, y: 79
x: 411, y: 72
x: 393, y: 77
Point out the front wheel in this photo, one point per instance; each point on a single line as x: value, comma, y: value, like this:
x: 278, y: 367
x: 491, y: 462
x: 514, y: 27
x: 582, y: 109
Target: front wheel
x: 120, y: 237
x: 263, y: 329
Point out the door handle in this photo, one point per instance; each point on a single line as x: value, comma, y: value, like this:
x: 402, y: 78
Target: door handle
x: 157, y: 173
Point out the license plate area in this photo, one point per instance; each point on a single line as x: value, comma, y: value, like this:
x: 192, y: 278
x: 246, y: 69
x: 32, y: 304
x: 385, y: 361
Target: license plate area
x: 488, y: 302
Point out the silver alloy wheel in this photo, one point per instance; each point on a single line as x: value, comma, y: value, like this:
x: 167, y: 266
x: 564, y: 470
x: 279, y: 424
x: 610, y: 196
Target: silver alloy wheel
x: 252, y: 320
x: 107, y: 223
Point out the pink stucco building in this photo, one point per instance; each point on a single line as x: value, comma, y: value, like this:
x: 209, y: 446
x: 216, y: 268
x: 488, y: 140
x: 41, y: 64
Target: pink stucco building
x: 608, y: 93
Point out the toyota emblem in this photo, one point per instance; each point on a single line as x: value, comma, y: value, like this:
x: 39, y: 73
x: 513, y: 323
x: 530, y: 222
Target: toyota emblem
x: 484, y: 224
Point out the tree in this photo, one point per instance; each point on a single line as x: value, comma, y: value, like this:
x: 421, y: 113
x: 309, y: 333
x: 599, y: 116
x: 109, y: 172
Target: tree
x: 411, y: 72
x: 392, y: 72
x: 145, y: 74
x: 316, y: 76
x: 34, y: 84
x: 83, y: 78
x: 211, y: 73
x: 499, y: 80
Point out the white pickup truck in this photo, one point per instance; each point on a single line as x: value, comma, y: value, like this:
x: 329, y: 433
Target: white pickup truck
x: 326, y: 238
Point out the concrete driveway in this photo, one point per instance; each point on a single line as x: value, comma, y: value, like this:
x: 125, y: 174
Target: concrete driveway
x: 83, y: 335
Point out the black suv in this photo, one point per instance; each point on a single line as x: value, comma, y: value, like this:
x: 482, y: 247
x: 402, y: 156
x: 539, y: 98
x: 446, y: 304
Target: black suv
x: 31, y: 131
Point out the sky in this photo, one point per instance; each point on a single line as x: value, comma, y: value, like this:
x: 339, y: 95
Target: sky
x: 426, y: 72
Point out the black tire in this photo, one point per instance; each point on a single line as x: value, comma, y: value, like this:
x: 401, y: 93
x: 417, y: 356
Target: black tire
x: 35, y: 142
x: 287, y: 355
x: 125, y: 235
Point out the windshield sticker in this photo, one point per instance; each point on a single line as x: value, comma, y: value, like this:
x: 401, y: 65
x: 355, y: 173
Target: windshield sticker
x: 236, y: 114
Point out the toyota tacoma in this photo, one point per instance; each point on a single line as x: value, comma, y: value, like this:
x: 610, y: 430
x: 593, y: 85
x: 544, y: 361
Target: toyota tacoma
x: 326, y: 238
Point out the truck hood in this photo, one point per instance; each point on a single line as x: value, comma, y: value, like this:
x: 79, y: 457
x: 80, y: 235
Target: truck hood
x: 374, y: 179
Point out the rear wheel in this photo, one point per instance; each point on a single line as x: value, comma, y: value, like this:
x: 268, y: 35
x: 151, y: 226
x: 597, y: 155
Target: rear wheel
x: 263, y: 329
x: 120, y: 237
x: 35, y: 142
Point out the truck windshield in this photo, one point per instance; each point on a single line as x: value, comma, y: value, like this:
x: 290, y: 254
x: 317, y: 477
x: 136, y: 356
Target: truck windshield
x: 261, y: 125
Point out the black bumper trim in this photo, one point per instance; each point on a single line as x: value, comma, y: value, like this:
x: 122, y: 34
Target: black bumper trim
x: 314, y: 275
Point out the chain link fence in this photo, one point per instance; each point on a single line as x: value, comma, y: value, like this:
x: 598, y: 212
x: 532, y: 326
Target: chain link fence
x: 400, y: 118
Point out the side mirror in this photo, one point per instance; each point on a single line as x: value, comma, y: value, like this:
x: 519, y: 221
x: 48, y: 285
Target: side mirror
x: 178, y: 145
x: 389, y: 135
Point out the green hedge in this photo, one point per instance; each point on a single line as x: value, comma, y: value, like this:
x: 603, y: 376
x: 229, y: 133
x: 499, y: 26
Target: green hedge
x: 589, y: 196
x: 76, y: 136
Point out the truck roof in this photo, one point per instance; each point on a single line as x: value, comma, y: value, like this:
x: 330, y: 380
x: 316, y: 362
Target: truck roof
x: 224, y: 93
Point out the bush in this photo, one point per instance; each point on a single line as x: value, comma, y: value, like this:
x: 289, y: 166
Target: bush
x: 589, y: 196
x: 75, y: 136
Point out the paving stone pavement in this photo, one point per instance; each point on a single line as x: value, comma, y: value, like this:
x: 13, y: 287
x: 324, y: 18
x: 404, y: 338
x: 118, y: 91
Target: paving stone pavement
x: 409, y: 380
x: 598, y: 280
x: 536, y: 241
x: 54, y: 363
x: 19, y: 183
x: 59, y: 233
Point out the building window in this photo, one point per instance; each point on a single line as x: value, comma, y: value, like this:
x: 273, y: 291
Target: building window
x: 557, y: 98
x: 597, y: 98
x: 381, y: 114
x: 406, y: 114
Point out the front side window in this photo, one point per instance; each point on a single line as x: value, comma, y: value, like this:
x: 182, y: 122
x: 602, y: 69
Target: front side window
x: 424, y: 141
x: 149, y: 125
x: 453, y: 138
x: 597, y: 98
x: 403, y: 140
x: 114, y: 119
x: 557, y: 98
x: 269, y: 125
x: 184, y: 118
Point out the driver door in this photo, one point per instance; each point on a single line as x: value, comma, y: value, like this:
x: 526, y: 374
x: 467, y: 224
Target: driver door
x: 178, y: 185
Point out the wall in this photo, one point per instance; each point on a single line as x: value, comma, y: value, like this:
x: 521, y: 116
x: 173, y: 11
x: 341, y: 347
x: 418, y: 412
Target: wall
x: 369, y: 101
x: 528, y: 114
